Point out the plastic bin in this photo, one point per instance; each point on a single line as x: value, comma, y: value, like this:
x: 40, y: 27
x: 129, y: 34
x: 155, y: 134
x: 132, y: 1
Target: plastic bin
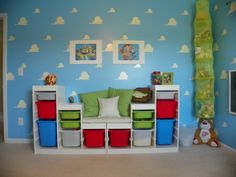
x: 165, y: 95
x: 186, y: 136
x: 142, y: 137
x: 166, y: 109
x: 70, y: 124
x: 69, y: 115
x: 164, y: 133
x: 94, y: 138
x: 46, y: 109
x: 70, y: 138
x: 47, y: 133
x: 46, y: 96
x: 119, y: 138
x: 143, y: 124
x: 142, y: 114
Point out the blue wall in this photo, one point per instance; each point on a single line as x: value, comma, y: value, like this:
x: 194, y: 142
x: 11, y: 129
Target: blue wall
x: 225, y: 59
x: 165, y: 28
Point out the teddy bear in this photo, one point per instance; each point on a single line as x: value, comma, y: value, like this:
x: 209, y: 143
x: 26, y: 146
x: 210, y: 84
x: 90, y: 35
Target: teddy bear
x: 205, y: 133
x: 50, y: 79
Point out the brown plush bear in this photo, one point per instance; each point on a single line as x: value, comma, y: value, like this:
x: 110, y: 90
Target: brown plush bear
x: 205, y: 134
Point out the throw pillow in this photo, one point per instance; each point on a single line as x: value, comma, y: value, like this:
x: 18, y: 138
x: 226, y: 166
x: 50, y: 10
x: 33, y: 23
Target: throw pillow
x: 108, y: 107
x: 90, y: 101
x: 125, y: 97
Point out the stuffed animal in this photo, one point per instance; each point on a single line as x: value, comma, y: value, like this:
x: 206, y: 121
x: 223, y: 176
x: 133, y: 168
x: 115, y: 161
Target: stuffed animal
x: 50, y: 79
x: 205, y: 134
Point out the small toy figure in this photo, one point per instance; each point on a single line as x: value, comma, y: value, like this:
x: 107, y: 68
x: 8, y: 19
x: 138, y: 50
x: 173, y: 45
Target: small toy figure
x: 50, y: 79
x: 71, y: 99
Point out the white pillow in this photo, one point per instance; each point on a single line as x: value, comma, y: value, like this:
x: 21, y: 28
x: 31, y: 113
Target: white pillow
x: 108, y: 107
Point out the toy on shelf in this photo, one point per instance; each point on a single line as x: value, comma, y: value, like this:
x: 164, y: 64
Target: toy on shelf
x: 50, y: 79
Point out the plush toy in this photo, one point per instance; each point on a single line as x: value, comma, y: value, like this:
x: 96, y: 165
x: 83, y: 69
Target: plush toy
x: 205, y: 134
x: 50, y: 79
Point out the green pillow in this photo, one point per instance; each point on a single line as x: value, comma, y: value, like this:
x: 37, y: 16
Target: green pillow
x: 90, y: 101
x: 125, y: 97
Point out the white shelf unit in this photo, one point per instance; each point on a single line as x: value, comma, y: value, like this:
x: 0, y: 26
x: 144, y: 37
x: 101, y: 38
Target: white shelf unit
x: 58, y: 93
x: 175, y: 91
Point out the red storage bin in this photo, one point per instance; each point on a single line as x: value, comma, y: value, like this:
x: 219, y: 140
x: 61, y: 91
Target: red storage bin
x: 119, y: 138
x: 46, y: 109
x: 166, y: 108
x: 94, y: 137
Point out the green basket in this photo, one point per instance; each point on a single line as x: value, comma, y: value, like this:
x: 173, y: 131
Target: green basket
x: 70, y: 124
x: 147, y: 124
x: 69, y: 115
x: 142, y: 115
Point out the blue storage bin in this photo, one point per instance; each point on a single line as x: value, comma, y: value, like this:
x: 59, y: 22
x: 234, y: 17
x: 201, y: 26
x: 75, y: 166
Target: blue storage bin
x: 47, y: 133
x: 164, y: 133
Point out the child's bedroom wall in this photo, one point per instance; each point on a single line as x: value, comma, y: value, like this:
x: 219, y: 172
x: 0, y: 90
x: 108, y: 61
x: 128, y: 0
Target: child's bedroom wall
x: 39, y: 33
x: 225, y: 60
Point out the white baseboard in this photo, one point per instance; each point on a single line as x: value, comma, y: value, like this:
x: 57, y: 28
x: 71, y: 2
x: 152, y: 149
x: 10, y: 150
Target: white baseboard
x: 18, y: 141
x: 228, y: 147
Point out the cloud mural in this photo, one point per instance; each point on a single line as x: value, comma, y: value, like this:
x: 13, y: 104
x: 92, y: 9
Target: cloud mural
x: 184, y: 49
x: 10, y: 76
x: 148, y: 48
x: 234, y: 60
x: 123, y: 76
x: 74, y: 10
x: 60, y: 65
x: 33, y: 49
x: 124, y: 37
x: 224, y: 124
x: 97, y: 21
x: 109, y: 47
x: 224, y: 32
x: 216, y: 8
x: 99, y: 66
x: 185, y: 13
x: 135, y: 21
x: 232, y: 8
x: 59, y: 21
x: 174, y: 66
x: 149, y: 11
x: 137, y: 66
x: 73, y: 93
x: 223, y: 74
x: 111, y: 10
x: 172, y: 22
x: 48, y: 38
x: 44, y: 75
x: 86, y: 37
x: 12, y: 38
x: 22, y: 21
x: 162, y: 38
x: 21, y: 104
x: 36, y: 11
x: 186, y: 93
x: 83, y: 76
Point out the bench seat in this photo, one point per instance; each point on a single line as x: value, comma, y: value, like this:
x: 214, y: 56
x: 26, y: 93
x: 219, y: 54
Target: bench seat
x: 106, y: 120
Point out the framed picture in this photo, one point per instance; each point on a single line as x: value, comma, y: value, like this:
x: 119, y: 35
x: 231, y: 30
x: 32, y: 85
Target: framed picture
x: 128, y: 52
x: 167, y: 78
x: 85, y: 52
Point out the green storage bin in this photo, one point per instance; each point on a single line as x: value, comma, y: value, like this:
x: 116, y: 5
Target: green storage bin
x: 70, y: 124
x: 69, y: 115
x: 143, y: 114
x: 144, y: 124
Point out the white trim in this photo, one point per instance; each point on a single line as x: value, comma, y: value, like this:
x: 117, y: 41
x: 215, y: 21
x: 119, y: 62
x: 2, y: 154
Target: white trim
x: 5, y: 115
x: 228, y: 147
x: 18, y: 141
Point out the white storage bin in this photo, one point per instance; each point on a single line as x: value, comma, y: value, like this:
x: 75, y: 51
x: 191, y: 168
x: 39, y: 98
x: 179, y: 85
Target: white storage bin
x: 70, y: 138
x: 165, y: 95
x: 186, y: 136
x: 142, y: 137
x: 46, y: 96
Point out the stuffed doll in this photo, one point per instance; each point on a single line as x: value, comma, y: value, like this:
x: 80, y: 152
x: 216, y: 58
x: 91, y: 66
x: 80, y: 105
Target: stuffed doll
x: 205, y: 134
x: 51, y: 79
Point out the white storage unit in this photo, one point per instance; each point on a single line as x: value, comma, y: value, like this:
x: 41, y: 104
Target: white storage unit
x: 142, y: 137
x: 70, y: 138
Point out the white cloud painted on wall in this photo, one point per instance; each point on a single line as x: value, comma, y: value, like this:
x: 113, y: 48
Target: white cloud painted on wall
x: 124, y: 37
x: 21, y: 104
x: 74, y: 10
x: 148, y: 48
x: 12, y: 38
x: 33, y: 49
x: 86, y: 37
x: 223, y: 74
x: 44, y: 75
x: 172, y: 22
x: 123, y: 76
x: 224, y: 32
x: 97, y: 21
x: 111, y: 10
x: 22, y: 21
x: 48, y: 38
x: 184, y: 49
x: 10, y: 76
x: 224, y: 124
x: 149, y: 11
x: 109, y: 47
x: 162, y: 38
x: 59, y: 21
x: 185, y: 13
x: 135, y: 21
x: 234, y: 60
x: 186, y: 93
x: 174, y: 66
x: 232, y: 8
x: 216, y: 8
x: 36, y: 11
x: 83, y: 76
x: 99, y: 66
x: 73, y: 93
x: 60, y: 65
x: 137, y: 66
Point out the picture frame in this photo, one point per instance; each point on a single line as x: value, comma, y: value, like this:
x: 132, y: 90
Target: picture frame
x: 128, y: 52
x: 167, y: 78
x: 85, y: 51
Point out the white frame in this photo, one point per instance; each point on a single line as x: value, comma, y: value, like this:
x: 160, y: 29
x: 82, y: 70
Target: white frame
x: 72, y: 47
x: 117, y: 60
x: 230, y: 73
